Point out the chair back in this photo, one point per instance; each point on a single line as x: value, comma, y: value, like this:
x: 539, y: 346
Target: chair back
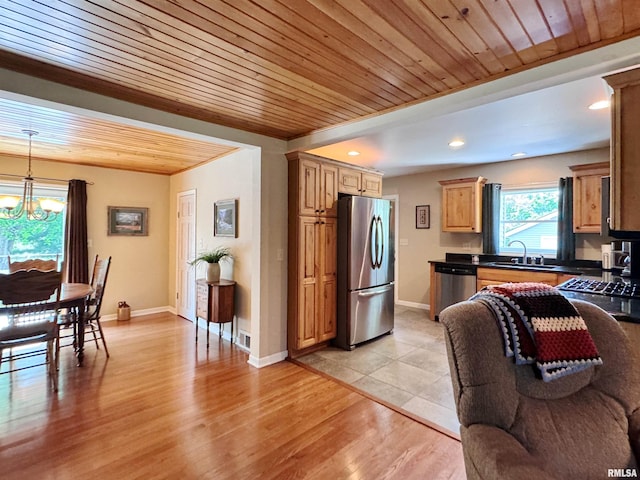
x: 33, y: 264
x: 30, y: 287
x: 31, y: 301
x: 29, y: 315
x: 99, y: 282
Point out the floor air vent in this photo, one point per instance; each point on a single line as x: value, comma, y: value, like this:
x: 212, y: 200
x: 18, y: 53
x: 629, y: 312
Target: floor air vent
x: 244, y: 339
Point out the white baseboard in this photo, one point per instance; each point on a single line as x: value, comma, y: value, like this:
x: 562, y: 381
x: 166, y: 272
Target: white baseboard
x: 421, y: 306
x: 268, y: 360
x: 139, y: 313
x: 213, y: 330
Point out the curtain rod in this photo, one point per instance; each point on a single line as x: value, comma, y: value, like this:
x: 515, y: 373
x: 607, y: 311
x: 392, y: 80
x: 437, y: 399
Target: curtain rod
x: 531, y: 184
x: 21, y: 177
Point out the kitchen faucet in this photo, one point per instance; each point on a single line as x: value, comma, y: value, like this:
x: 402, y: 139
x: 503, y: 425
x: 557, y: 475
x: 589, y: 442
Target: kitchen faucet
x: 524, y: 255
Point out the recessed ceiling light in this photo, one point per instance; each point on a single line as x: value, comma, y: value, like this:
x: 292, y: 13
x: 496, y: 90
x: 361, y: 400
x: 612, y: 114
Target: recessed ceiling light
x: 599, y: 105
x: 519, y: 154
x: 353, y: 153
x: 456, y: 143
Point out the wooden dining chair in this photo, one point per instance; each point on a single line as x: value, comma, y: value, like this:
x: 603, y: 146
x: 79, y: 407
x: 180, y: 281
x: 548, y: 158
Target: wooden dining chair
x: 33, y: 264
x: 91, y: 315
x: 29, y: 313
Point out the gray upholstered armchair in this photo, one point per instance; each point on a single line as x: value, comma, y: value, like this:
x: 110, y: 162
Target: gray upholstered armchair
x: 515, y: 426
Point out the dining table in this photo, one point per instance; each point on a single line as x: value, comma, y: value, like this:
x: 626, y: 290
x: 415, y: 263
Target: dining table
x: 74, y: 297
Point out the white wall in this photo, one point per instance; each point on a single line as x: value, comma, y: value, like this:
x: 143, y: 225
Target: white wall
x: 423, y: 245
x: 138, y: 272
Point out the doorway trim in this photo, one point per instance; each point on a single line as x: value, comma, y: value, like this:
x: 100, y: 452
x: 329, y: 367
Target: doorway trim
x: 191, y: 292
x: 395, y: 198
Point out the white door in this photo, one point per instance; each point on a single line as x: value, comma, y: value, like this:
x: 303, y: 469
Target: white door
x: 186, y: 244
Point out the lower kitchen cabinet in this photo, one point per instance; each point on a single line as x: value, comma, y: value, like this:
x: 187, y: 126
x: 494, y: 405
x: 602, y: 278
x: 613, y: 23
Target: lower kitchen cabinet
x: 496, y: 276
x: 486, y: 276
x: 312, y: 296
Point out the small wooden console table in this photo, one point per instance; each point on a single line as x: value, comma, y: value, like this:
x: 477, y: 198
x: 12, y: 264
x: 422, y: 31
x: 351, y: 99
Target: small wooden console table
x: 215, y: 303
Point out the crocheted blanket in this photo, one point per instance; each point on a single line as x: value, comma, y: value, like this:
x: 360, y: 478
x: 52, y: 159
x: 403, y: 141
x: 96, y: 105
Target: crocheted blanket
x: 541, y: 326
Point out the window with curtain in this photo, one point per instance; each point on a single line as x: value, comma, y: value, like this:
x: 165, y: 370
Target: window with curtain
x: 23, y: 239
x: 531, y: 216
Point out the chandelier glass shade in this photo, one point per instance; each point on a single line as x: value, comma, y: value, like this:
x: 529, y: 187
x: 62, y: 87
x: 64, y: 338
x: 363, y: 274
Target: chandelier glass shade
x: 14, y: 207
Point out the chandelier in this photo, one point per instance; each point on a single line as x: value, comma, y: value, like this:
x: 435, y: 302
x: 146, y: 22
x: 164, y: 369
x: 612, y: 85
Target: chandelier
x: 14, y: 207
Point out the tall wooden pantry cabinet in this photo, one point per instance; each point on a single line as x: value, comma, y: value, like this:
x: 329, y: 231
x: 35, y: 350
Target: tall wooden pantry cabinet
x: 314, y: 185
x: 313, y: 196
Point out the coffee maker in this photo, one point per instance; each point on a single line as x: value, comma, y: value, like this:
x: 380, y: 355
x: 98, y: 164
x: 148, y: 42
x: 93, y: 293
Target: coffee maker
x: 625, y: 251
x: 631, y: 262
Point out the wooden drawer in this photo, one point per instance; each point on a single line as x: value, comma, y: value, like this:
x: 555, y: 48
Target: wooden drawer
x: 202, y: 299
x: 495, y: 276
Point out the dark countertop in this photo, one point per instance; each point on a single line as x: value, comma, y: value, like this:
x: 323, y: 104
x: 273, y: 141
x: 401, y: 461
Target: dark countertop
x: 623, y: 309
x: 576, y: 267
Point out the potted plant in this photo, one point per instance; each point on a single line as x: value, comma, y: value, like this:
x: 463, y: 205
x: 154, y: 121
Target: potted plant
x: 213, y: 258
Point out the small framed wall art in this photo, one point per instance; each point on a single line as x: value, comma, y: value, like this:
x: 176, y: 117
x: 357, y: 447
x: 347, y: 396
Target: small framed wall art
x: 224, y: 220
x: 423, y: 216
x: 130, y: 221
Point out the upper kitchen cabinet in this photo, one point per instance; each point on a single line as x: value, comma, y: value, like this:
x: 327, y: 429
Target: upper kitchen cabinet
x: 316, y: 182
x: 366, y: 183
x: 462, y: 204
x: 625, y: 150
x: 587, y: 200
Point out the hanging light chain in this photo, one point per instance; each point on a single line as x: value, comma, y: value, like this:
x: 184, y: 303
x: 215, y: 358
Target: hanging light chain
x: 28, y: 206
x: 31, y: 133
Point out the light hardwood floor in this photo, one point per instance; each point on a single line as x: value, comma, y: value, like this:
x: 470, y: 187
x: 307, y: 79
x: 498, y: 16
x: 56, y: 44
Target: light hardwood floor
x: 161, y: 407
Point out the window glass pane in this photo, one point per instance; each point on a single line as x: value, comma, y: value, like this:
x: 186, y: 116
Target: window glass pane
x: 530, y: 216
x: 23, y: 239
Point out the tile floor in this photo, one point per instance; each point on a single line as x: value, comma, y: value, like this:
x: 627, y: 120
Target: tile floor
x: 407, y: 369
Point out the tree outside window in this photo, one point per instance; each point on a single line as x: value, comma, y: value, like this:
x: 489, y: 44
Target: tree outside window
x: 23, y: 239
x: 531, y: 216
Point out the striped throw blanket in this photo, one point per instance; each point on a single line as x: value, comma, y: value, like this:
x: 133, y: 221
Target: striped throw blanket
x: 541, y: 326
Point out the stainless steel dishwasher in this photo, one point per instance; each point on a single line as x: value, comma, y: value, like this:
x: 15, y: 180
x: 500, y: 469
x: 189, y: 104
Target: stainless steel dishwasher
x: 453, y: 284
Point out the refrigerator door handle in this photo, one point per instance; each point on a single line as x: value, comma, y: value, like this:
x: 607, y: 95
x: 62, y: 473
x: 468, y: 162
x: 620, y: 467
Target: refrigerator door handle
x: 373, y: 243
x: 377, y: 291
x: 381, y: 242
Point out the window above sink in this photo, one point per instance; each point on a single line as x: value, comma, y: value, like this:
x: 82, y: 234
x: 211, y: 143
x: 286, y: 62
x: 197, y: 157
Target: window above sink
x: 529, y: 215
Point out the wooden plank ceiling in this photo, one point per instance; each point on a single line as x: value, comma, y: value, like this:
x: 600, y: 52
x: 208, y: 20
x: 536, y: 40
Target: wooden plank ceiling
x: 286, y: 68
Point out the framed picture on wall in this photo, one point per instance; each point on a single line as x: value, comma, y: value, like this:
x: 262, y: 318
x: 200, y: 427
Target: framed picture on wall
x: 224, y: 220
x: 130, y: 221
x: 423, y: 216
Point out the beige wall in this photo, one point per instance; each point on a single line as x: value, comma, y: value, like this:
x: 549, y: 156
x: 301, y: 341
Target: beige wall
x: 272, y: 215
x: 257, y: 178
x: 225, y: 178
x: 138, y: 272
x: 268, y: 213
x: 143, y: 268
x: 416, y: 247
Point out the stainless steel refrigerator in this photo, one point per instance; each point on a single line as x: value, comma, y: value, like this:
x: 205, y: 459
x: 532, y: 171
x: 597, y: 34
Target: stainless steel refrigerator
x: 365, y: 270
